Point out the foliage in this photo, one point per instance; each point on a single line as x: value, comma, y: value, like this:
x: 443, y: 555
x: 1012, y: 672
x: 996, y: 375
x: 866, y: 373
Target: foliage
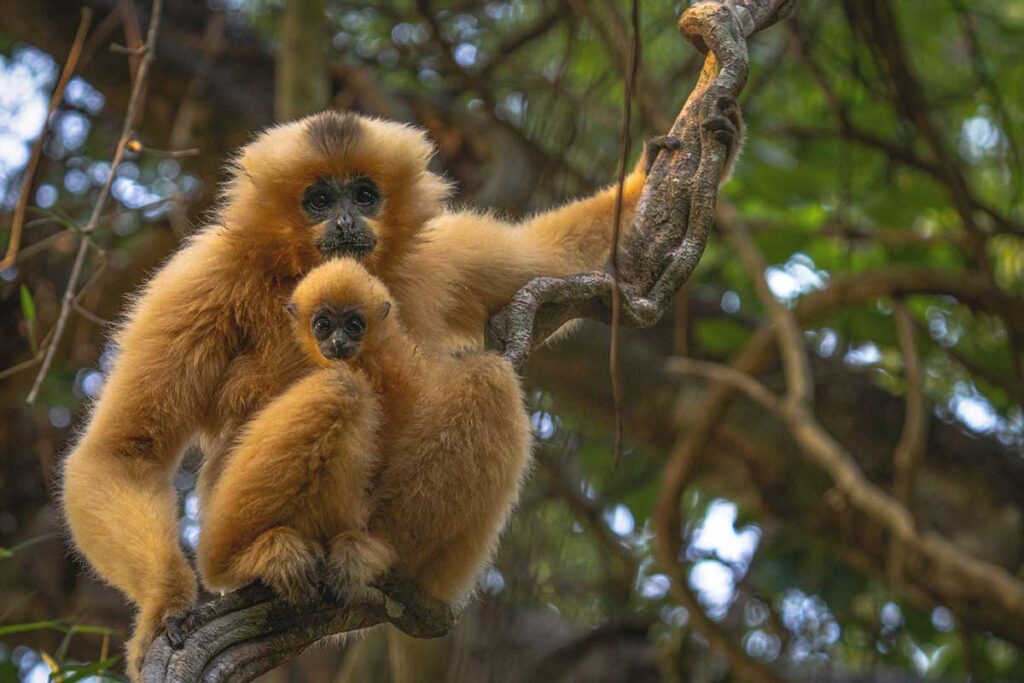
x: 836, y: 181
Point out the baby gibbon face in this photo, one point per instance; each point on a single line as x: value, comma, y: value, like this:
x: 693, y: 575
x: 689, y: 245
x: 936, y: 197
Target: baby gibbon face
x: 331, y: 185
x: 339, y: 311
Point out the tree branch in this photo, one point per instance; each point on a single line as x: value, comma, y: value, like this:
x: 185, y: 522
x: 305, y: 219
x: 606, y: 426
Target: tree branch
x: 676, y: 209
x: 250, y: 631
x: 131, y: 118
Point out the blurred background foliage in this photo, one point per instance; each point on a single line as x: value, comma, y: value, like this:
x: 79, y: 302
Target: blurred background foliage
x: 882, y: 165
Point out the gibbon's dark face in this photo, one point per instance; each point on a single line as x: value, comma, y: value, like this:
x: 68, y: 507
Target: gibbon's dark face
x: 338, y: 333
x: 341, y: 207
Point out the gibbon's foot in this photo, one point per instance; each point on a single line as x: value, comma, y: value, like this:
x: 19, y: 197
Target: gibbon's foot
x: 354, y: 560
x: 654, y: 147
x: 175, y: 634
x: 174, y: 600
x: 281, y: 559
x: 728, y: 126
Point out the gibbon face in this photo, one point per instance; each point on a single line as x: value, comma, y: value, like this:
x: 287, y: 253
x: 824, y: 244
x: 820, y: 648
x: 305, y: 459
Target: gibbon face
x: 330, y: 185
x: 339, y: 310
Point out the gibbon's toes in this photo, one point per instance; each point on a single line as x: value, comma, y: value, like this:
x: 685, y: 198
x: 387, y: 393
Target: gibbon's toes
x: 730, y: 109
x: 355, y: 559
x: 295, y: 581
x: 728, y: 126
x: 724, y: 130
x: 175, y: 634
x: 281, y: 559
x: 654, y: 147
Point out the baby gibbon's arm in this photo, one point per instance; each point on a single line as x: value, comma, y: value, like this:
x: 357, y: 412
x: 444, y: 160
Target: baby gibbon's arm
x: 117, y: 493
x: 297, y: 477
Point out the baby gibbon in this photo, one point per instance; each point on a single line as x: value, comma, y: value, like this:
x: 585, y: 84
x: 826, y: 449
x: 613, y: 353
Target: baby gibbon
x: 290, y: 507
x: 205, y: 345
x: 297, y: 487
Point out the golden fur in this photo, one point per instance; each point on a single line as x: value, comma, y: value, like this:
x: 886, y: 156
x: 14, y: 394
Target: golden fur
x: 207, y: 342
x: 297, y: 488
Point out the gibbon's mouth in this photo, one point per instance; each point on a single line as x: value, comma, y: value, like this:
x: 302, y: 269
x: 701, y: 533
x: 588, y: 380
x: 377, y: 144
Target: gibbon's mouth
x: 339, y: 351
x: 354, y: 248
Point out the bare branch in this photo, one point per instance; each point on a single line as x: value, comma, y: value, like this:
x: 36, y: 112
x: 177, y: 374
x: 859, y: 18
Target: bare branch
x: 954, y: 569
x: 132, y: 115
x: 676, y: 209
x: 915, y: 425
x: 249, y: 632
x: 37, y: 149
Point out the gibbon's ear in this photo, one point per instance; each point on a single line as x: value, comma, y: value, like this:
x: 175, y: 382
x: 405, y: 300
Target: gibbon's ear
x: 292, y: 309
x: 384, y: 309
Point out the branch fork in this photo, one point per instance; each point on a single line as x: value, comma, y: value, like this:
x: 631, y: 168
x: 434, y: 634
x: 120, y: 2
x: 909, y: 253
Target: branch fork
x: 677, y: 206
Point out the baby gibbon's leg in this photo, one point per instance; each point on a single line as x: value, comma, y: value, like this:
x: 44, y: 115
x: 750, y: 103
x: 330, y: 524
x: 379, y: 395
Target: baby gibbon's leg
x: 446, y: 492
x: 296, y: 478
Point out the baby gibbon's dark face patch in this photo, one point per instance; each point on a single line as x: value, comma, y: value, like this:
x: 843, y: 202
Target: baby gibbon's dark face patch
x: 341, y: 207
x: 338, y: 332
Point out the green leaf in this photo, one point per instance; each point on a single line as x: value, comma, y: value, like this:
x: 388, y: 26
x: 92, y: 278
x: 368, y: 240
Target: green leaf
x: 28, y: 309
x: 28, y: 306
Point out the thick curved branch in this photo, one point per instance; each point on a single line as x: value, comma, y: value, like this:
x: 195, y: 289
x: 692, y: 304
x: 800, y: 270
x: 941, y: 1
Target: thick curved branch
x: 249, y: 632
x: 677, y: 207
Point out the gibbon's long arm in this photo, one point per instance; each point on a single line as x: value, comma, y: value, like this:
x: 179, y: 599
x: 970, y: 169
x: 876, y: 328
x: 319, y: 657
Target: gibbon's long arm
x: 117, y: 492
x: 480, y: 262
x: 470, y: 264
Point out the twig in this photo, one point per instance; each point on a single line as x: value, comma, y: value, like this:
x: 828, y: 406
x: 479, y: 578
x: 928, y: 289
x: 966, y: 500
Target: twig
x: 24, y: 365
x: 37, y: 148
x: 166, y: 153
x: 133, y: 34
x: 797, y: 367
x: 910, y: 447
x: 127, y: 133
x: 668, y: 544
x: 613, y: 257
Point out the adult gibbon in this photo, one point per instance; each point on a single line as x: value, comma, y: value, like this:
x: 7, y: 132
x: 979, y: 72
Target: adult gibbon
x: 444, y: 440
x: 207, y: 343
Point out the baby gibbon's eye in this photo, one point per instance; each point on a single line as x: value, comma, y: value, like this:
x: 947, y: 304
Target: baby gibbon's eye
x: 365, y: 195
x: 319, y: 200
x: 322, y: 327
x: 355, y: 325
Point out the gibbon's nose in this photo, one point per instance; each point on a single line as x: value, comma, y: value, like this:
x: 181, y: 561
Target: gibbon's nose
x: 343, y: 349
x: 344, y: 222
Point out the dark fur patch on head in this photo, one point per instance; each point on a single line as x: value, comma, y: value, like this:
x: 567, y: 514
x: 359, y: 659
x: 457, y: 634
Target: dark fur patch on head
x: 333, y: 133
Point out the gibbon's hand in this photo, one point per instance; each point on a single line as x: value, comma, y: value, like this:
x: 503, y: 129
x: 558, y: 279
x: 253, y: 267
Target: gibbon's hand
x: 728, y: 127
x: 174, y: 628
x: 654, y: 147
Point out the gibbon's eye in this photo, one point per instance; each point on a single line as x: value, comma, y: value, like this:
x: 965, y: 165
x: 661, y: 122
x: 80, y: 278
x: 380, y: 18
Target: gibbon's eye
x: 365, y: 195
x: 319, y: 201
x: 322, y: 327
x: 355, y: 325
